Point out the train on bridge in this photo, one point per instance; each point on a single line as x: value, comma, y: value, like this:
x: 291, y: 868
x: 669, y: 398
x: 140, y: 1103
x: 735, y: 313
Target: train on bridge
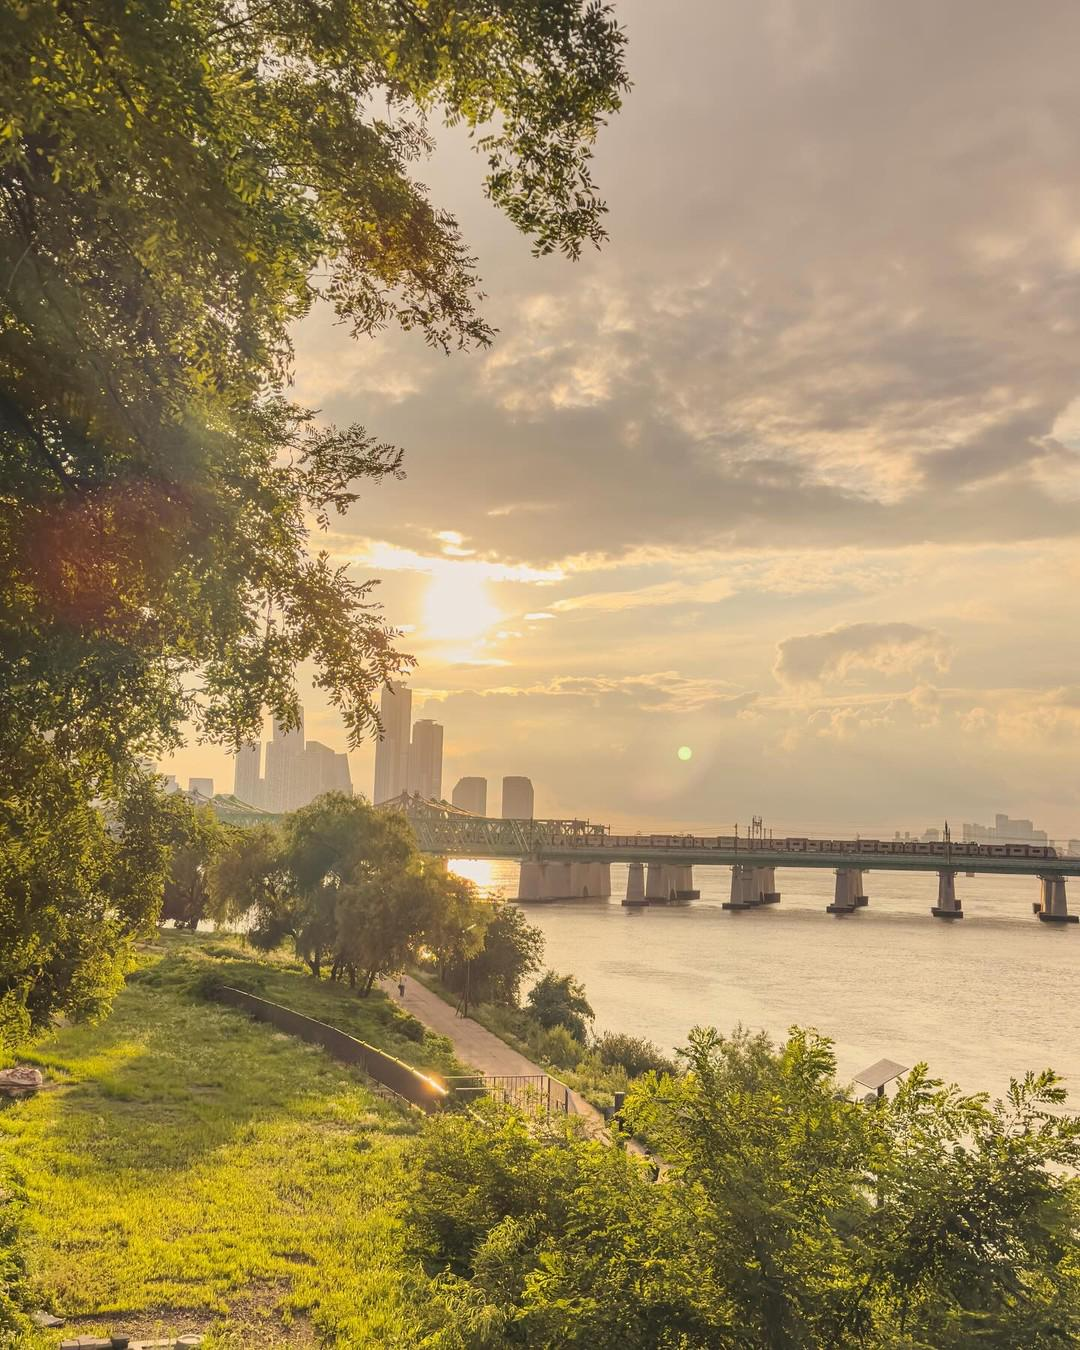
x: 767, y: 844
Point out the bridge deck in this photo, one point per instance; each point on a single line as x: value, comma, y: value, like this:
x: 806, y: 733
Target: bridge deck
x: 715, y: 857
x: 448, y: 832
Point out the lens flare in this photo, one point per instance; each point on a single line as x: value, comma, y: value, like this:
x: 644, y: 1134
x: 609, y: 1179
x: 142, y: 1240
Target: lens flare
x: 685, y: 752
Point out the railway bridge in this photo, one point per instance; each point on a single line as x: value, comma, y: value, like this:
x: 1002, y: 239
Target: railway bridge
x: 571, y: 859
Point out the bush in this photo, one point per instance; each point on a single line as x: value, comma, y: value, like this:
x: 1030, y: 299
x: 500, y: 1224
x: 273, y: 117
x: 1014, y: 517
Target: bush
x: 555, y: 1045
x: 635, y: 1054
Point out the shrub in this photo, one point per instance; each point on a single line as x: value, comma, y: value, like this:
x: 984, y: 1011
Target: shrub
x: 555, y: 1045
x: 635, y: 1054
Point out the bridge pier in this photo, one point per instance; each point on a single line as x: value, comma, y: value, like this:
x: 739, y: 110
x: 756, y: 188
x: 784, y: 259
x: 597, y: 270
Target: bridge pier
x: 848, y: 893
x: 764, y: 885
x: 947, y: 907
x: 684, y: 884
x: 590, y: 880
x: 635, y: 886
x: 744, y: 894
x: 1054, y: 905
x: 545, y: 881
x: 657, y: 883
x: 529, y: 881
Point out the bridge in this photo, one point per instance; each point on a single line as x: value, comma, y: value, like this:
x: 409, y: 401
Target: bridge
x: 571, y: 859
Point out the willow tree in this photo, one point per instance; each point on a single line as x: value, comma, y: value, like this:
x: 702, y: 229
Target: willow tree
x: 180, y: 181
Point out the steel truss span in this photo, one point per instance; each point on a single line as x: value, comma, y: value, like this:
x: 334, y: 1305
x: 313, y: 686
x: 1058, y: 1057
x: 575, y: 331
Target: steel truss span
x: 444, y: 830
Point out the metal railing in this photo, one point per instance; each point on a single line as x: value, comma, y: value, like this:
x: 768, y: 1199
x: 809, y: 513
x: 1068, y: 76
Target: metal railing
x: 531, y: 1093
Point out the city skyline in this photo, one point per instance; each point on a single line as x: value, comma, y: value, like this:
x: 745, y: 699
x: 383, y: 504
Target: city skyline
x: 296, y: 770
x: 788, y: 478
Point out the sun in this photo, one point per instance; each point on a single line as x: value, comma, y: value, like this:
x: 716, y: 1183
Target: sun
x: 457, y: 607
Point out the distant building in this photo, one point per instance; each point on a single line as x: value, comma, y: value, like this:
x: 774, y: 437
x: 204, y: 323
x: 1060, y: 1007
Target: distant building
x: 246, y: 784
x: 203, y: 786
x: 517, y: 799
x: 1004, y: 830
x: 296, y: 771
x: 170, y: 784
x: 425, y: 759
x: 392, y: 752
x: 281, y: 784
x: 470, y: 794
x: 323, y: 770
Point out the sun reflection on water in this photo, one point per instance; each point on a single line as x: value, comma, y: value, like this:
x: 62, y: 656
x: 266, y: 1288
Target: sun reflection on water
x: 480, y: 871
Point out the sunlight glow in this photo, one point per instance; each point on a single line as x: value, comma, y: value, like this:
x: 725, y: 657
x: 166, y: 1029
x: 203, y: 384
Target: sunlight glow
x: 457, y: 607
x: 477, y: 870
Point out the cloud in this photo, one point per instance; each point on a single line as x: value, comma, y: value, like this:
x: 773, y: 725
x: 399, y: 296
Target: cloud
x: 661, y: 691
x: 887, y: 648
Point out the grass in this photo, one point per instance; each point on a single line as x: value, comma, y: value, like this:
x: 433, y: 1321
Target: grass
x: 197, y: 1171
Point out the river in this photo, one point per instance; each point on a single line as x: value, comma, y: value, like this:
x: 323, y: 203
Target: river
x: 980, y: 999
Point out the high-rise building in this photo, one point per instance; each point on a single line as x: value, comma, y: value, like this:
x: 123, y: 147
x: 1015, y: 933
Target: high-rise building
x: 246, y: 783
x: 322, y: 770
x: 392, y: 752
x: 517, y: 799
x: 425, y: 759
x: 203, y: 786
x: 296, y: 771
x: 470, y: 794
x: 282, y: 789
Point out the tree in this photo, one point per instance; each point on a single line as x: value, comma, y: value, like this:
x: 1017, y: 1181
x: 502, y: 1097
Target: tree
x: 975, y: 1236
x: 789, y: 1215
x: 179, y: 183
x: 194, y: 837
x: 772, y: 1161
x: 512, y: 948
x: 559, y: 1001
x: 347, y: 884
x: 249, y: 879
x: 78, y: 887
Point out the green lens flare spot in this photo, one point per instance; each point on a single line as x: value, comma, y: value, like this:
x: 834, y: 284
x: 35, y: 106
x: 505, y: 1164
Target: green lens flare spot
x: 685, y: 753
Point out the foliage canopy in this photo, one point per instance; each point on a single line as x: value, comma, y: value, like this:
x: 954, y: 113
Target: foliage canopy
x: 788, y: 1215
x: 180, y: 183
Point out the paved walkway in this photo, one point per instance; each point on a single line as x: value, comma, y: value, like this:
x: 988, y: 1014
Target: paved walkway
x: 475, y: 1045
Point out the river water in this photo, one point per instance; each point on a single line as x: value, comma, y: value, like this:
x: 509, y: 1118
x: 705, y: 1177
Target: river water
x: 980, y: 999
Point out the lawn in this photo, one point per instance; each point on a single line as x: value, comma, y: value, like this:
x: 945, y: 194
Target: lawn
x: 197, y: 1171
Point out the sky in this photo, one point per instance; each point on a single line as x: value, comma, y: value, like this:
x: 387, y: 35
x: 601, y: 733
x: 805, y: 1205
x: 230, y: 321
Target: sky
x: 789, y: 472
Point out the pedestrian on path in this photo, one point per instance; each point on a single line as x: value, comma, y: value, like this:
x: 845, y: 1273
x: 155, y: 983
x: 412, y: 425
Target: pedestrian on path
x: 401, y: 986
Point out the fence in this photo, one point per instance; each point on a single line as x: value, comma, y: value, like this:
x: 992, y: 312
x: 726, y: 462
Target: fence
x: 532, y: 1092
x: 402, y: 1079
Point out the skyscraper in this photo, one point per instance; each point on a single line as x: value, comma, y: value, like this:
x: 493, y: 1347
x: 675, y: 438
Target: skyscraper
x: 517, y: 799
x: 297, y: 771
x: 203, y: 786
x: 246, y: 783
x: 281, y: 786
x: 425, y: 759
x: 392, y: 752
x: 470, y: 794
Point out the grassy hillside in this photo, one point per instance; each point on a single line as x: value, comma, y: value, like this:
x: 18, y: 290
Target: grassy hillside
x: 195, y: 1170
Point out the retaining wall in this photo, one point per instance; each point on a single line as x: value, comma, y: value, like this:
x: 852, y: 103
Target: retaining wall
x: 402, y: 1079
